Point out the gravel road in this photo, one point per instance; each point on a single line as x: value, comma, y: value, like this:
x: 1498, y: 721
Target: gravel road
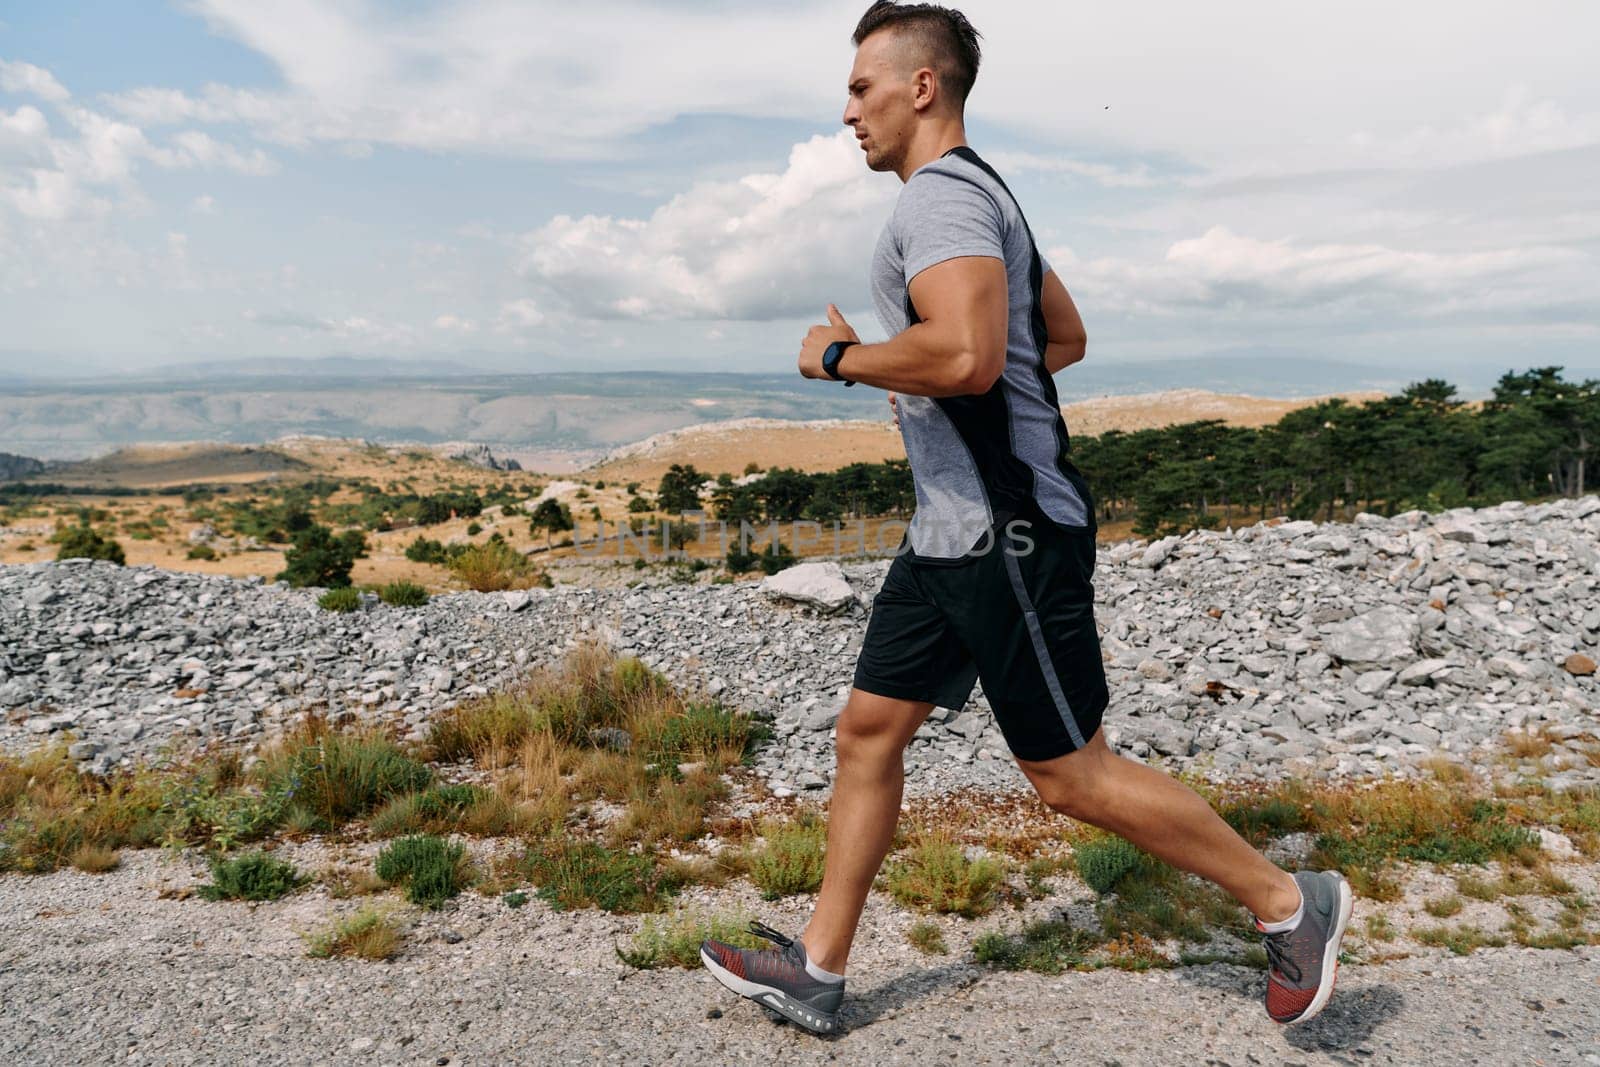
x: 102, y: 970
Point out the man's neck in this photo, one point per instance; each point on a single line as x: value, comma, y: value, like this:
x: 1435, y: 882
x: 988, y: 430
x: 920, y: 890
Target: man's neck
x: 930, y: 143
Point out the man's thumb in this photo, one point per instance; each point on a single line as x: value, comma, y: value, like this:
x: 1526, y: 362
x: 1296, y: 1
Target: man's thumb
x: 834, y: 316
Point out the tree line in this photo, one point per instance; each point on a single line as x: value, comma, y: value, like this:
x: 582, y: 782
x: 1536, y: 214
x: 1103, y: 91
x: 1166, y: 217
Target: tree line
x: 1536, y: 436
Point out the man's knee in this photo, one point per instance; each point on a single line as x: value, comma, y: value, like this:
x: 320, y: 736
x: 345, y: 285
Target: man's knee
x: 1072, y: 784
x: 876, y: 728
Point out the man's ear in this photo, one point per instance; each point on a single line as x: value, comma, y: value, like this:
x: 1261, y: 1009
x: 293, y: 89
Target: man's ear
x: 925, y: 87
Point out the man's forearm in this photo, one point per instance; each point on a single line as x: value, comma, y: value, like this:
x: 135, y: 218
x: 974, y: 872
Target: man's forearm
x: 918, y: 361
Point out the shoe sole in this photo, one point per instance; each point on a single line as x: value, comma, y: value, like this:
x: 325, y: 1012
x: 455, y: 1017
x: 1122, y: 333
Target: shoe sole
x: 770, y: 997
x: 1330, y: 955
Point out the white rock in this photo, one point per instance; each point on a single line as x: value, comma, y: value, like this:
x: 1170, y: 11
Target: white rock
x: 1558, y: 845
x: 821, y: 585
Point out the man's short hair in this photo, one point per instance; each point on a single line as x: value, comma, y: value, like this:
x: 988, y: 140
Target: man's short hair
x: 945, y: 36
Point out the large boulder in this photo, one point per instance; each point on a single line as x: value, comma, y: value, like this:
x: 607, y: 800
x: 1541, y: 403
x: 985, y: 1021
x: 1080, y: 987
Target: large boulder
x: 821, y: 585
x: 1379, y: 638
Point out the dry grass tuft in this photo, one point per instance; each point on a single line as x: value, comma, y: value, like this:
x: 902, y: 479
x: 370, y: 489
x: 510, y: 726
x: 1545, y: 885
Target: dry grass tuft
x: 93, y: 859
x: 370, y: 934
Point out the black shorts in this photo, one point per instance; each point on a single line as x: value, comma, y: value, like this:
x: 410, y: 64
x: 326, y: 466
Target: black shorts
x: 1020, y: 618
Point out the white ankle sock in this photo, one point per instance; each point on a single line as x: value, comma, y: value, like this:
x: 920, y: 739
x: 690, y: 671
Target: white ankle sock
x: 1285, y: 925
x: 821, y: 975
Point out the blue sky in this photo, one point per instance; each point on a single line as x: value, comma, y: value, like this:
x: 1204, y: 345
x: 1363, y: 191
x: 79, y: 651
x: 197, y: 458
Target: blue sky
x: 629, y: 185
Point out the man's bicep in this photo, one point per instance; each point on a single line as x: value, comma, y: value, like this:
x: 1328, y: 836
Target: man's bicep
x: 967, y: 295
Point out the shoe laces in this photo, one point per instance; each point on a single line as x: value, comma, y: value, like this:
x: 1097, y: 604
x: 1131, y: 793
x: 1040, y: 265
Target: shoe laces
x: 1277, y: 946
x: 761, y: 929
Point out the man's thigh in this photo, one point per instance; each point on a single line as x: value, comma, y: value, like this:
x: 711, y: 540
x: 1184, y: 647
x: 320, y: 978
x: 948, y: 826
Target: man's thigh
x: 911, y: 652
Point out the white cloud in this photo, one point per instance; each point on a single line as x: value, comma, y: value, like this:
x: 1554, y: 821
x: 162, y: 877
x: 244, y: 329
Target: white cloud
x: 24, y: 135
x: 1138, y: 176
x: 1279, y: 88
x: 358, y: 330
x: 1231, y: 274
x: 83, y: 171
x: 517, y: 315
x: 454, y: 324
x: 766, y: 246
x: 26, y: 78
x: 204, y: 205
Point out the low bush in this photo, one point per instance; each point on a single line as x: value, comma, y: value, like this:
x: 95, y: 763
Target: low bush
x: 1105, y: 861
x: 403, y: 595
x: 583, y: 874
x: 335, y: 777
x: 429, y: 869
x: 1048, y: 947
x: 446, y: 809
x: 251, y: 876
x: 927, y: 938
x: 935, y: 875
x: 85, y: 542
x: 344, y: 598
x: 494, y: 566
x: 792, y: 857
x: 675, y: 941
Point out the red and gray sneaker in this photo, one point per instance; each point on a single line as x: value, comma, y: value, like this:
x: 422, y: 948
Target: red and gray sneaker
x: 777, y: 978
x: 1303, y: 962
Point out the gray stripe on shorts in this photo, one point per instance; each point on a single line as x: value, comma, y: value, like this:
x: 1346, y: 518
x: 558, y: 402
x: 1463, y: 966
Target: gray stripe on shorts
x: 1039, y: 650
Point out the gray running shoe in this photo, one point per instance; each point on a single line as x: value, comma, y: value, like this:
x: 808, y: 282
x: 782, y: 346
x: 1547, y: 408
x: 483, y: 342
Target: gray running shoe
x: 1303, y: 962
x: 776, y: 978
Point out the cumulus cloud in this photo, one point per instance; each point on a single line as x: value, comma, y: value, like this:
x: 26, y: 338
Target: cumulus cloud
x: 764, y: 247
x: 26, y: 78
x: 1229, y: 273
x: 518, y: 315
x: 488, y: 75
x: 82, y: 170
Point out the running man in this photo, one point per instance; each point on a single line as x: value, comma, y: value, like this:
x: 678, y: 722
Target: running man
x: 993, y: 580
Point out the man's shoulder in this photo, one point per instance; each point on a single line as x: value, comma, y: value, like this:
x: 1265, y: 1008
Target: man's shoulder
x: 943, y: 183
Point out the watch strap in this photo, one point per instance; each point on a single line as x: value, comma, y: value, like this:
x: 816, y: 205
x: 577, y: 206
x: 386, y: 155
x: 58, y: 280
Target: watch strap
x: 831, y: 358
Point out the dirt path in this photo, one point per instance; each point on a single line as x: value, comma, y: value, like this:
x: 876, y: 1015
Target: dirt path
x: 102, y: 970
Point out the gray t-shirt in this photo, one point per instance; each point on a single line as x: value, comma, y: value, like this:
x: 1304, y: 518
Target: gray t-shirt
x: 976, y: 460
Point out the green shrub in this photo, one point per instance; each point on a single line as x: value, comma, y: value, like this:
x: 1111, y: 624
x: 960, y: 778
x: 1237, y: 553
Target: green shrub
x: 675, y: 942
x: 1103, y: 862
x: 343, y: 598
x: 318, y: 557
x: 1048, y: 947
x: 927, y: 938
x: 448, y: 809
x: 493, y: 566
x: 85, y: 542
x: 252, y: 876
x: 430, y: 869
x: 205, y: 552
x: 935, y: 875
x: 792, y: 861
x: 336, y: 777
x: 583, y: 874
x: 403, y: 595
x: 425, y: 550
x: 702, y: 730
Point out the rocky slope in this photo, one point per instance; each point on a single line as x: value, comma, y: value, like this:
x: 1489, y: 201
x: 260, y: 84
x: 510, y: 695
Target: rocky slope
x: 1290, y: 648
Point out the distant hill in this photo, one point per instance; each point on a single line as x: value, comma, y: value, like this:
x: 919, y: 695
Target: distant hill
x: 14, y: 467
x: 534, y: 416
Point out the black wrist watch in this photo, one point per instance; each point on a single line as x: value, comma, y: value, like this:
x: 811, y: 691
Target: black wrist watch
x: 830, y: 360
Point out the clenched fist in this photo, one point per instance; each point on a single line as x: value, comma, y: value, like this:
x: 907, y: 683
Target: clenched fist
x: 818, y: 338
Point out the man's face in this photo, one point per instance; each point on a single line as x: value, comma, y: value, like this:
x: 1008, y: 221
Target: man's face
x: 881, y: 107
